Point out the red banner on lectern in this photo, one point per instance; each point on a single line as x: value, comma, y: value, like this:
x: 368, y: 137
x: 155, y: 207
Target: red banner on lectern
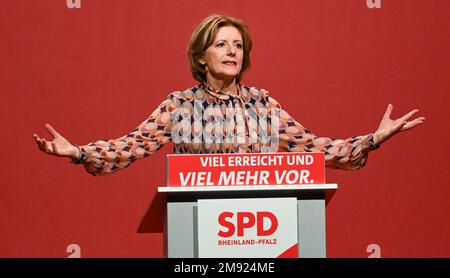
x: 245, y: 169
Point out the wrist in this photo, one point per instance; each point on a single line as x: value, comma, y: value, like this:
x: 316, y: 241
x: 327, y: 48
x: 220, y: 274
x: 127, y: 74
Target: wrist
x: 78, y: 156
x: 376, y: 138
x: 374, y: 141
x: 75, y: 153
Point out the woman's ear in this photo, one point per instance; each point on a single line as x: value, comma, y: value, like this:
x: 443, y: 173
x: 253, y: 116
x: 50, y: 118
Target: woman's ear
x: 202, y: 62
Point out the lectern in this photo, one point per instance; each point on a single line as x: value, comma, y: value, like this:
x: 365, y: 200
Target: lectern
x: 187, y: 206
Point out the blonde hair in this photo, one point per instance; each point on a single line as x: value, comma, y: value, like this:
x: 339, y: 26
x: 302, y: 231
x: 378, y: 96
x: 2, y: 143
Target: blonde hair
x: 203, y: 37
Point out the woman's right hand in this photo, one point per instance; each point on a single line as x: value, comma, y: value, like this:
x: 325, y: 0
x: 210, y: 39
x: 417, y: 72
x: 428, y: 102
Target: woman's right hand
x: 59, y: 146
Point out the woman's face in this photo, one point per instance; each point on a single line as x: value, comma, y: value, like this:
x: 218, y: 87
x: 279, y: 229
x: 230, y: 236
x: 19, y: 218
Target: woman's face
x: 223, y: 59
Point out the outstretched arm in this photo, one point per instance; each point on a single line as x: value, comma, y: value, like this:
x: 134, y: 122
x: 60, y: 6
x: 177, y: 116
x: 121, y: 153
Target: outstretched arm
x: 108, y: 156
x: 348, y: 154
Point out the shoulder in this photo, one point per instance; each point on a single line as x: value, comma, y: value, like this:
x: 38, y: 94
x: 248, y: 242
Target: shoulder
x: 255, y: 94
x: 259, y: 94
x: 188, y: 94
x: 254, y: 91
x: 185, y: 93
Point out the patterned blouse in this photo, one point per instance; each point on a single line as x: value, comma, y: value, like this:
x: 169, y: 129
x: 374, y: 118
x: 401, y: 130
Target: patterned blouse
x: 200, y: 120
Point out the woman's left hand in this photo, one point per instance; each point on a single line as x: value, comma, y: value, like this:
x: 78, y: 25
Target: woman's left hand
x: 389, y: 127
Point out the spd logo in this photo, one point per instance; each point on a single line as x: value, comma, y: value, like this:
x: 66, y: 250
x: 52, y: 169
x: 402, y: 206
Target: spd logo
x: 240, y: 222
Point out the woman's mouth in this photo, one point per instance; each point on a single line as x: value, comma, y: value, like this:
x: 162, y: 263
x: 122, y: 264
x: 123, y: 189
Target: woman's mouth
x: 230, y: 63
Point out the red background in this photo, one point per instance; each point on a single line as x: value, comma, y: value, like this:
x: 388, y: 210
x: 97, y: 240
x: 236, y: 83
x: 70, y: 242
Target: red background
x: 97, y: 72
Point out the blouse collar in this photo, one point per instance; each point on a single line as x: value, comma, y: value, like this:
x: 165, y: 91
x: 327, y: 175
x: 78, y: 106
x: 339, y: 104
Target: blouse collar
x: 220, y: 94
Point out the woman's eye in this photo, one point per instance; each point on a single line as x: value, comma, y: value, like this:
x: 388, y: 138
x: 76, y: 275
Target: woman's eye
x: 238, y: 45
x: 220, y: 44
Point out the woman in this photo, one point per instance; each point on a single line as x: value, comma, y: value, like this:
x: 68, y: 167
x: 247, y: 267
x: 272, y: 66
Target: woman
x: 220, y: 115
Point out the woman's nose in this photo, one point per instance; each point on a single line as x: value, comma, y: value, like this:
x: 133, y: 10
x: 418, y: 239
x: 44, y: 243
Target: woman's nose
x: 231, y: 50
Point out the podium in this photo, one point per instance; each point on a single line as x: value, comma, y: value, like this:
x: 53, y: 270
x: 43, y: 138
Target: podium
x: 182, y: 234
